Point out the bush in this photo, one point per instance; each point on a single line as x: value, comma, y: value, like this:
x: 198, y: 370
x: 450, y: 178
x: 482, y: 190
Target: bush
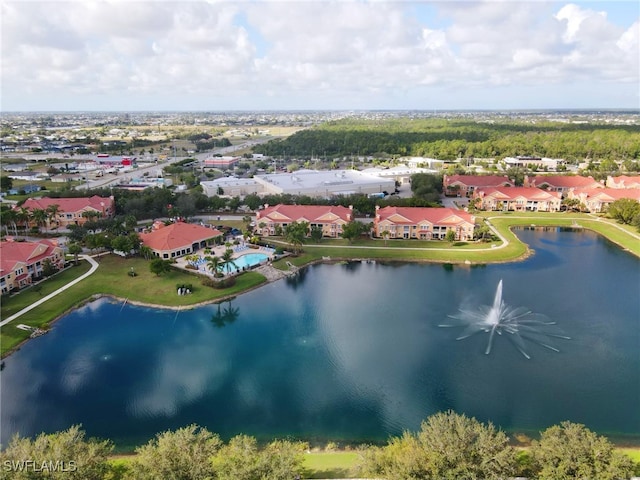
x: 219, y: 284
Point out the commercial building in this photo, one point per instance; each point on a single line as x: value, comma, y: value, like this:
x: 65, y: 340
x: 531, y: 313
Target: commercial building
x: 231, y: 186
x: 223, y: 163
x: 313, y: 183
x: 324, y: 183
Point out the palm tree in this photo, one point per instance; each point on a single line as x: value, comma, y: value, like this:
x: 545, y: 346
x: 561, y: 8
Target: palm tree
x: 22, y: 216
x: 385, y: 235
x: 295, y: 233
x: 39, y: 216
x: 213, y: 265
x: 227, y: 259
x: 9, y: 217
x: 90, y: 215
x: 146, y: 252
x: 52, y: 211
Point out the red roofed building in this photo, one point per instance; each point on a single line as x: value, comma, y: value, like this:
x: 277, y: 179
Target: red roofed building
x: 329, y: 218
x: 597, y: 200
x: 560, y: 183
x: 423, y: 223
x: 178, y: 239
x: 21, y: 262
x: 517, y: 199
x: 221, y: 162
x: 465, y: 185
x: 623, y: 181
x: 72, y: 211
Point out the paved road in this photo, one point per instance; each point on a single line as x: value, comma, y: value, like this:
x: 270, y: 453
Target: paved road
x: 94, y: 267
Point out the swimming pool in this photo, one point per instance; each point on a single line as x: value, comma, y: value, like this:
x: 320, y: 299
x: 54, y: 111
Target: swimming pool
x: 250, y: 259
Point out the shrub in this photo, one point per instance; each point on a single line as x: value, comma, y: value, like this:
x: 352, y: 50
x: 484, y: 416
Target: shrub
x: 219, y: 284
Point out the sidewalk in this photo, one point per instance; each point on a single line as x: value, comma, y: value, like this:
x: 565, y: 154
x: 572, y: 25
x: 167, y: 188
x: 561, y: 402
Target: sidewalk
x: 94, y: 267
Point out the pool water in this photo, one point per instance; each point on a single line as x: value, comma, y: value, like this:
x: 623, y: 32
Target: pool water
x: 250, y: 259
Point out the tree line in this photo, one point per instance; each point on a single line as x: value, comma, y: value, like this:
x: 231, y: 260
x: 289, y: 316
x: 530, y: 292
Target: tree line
x: 447, y: 446
x: 448, y: 140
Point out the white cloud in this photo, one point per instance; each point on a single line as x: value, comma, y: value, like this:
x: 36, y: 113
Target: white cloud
x: 366, y: 53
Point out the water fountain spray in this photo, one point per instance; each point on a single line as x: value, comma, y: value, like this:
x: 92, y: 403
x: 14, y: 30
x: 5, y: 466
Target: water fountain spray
x: 519, y: 324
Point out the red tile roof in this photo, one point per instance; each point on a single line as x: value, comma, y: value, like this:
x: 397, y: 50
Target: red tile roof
x: 12, y: 253
x: 415, y: 215
x: 608, y: 194
x: 478, y: 180
x: 177, y: 236
x: 510, y: 193
x: 562, y: 181
x: 624, y: 181
x: 309, y: 213
x: 69, y: 205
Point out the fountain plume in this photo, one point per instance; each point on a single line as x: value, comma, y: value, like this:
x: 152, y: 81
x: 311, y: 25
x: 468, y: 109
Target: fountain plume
x: 519, y: 324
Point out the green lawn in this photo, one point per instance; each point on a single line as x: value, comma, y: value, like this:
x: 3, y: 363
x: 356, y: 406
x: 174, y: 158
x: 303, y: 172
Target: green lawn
x: 632, y: 453
x: 330, y: 464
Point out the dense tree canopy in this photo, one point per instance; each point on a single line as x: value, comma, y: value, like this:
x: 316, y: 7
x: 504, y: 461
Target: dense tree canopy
x: 571, y: 451
x: 448, y: 446
x: 63, y: 455
x: 451, y: 139
x: 183, y: 454
x: 625, y: 210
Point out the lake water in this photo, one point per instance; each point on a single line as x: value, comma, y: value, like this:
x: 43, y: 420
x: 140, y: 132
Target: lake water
x: 347, y: 352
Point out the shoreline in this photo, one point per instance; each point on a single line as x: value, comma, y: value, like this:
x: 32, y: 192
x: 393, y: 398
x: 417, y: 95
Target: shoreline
x: 528, y: 252
x: 333, y: 260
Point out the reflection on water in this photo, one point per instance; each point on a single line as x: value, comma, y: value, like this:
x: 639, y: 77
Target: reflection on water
x: 344, y: 352
x: 225, y: 316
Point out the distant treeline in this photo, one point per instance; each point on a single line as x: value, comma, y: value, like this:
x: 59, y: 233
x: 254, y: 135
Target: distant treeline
x: 448, y: 140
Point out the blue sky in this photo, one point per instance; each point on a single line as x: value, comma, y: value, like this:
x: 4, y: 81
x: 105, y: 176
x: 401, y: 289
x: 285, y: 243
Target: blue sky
x: 302, y: 55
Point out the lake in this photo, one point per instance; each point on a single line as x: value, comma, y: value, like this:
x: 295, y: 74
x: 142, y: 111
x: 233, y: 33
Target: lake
x: 349, y: 352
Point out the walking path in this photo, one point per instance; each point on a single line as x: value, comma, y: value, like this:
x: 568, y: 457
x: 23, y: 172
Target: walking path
x: 94, y: 267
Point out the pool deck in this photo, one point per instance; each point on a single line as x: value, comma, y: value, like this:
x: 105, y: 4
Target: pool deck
x: 218, y: 251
